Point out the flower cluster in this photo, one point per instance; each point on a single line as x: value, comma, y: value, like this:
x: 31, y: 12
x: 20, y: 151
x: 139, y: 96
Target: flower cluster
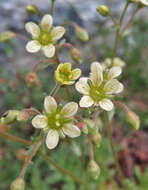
x: 44, y: 36
x: 57, y: 120
x: 100, y: 87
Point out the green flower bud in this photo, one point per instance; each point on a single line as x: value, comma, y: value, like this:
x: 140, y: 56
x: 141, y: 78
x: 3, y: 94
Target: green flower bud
x: 76, y: 55
x: 91, y: 126
x: 32, y: 9
x: 9, y: 117
x: 133, y: 120
x: 103, y: 10
x: 93, y: 169
x: 18, y: 184
x: 81, y: 33
x: 7, y: 36
x: 96, y: 138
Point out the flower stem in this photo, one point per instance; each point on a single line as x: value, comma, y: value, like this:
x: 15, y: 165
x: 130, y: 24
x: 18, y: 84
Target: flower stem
x: 117, y: 38
x: 91, y: 151
x: 55, y: 89
x: 34, y: 69
x: 108, y: 126
x: 62, y: 170
x: 15, y: 139
x: 29, y: 158
x: 52, y: 7
x: 130, y: 21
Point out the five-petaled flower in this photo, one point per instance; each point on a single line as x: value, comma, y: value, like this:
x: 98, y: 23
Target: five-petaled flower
x: 64, y: 75
x: 100, y: 87
x: 57, y: 120
x: 44, y: 36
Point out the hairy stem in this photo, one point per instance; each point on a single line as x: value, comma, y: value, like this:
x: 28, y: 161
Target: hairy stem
x: 29, y: 158
x: 52, y: 7
x: 117, y: 38
x: 62, y: 170
x: 108, y: 127
x: 15, y: 139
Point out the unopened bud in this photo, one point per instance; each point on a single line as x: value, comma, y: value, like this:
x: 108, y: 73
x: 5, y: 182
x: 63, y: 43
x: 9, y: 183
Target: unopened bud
x: 133, y: 120
x: 32, y: 9
x: 76, y: 55
x: 18, y: 184
x: 9, y: 116
x: 7, y: 36
x: 96, y: 138
x: 93, y: 169
x: 32, y: 80
x: 21, y: 155
x: 23, y: 116
x: 91, y: 126
x: 81, y: 33
x: 103, y: 10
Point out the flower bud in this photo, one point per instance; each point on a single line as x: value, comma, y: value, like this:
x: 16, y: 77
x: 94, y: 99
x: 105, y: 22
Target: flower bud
x: 133, y: 120
x: 7, y: 36
x: 81, y: 33
x: 23, y: 116
x: 18, y: 184
x: 96, y: 138
x: 21, y: 155
x: 32, y: 80
x: 91, y: 126
x: 9, y: 116
x: 93, y: 169
x: 103, y: 10
x: 76, y: 55
x: 32, y: 9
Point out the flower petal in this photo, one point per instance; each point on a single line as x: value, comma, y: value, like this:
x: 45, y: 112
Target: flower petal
x: 69, y: 109
x: 50, y: 104
x: 106, y: 104
x: 71, y: 130
x: 86, y: 102
x: 113, y: 86
x: 114, y: 72
x: 33, y: 46
x: 96, y: 74
x: 52, y: 139
x: 33, y: 29
x: 57, y: 32
x: 39, y: 121
x: 76, y: 74
x: 46, y: 22
x: 82, y: 86
x: 49, y: 50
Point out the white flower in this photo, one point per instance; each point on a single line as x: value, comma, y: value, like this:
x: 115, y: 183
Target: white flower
x: 57, y: 120
x: 99, y: 87
x: 44, y: 36
x: 143, y: 2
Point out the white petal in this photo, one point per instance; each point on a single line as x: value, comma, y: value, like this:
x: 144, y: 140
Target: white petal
x: 96, y: 74
x: 114, y: 72
x: 82, y: 86
x: 119, y: 89
x: 113, y: 86
x: 71, y: 130
x: 49, y: 50
x: 50, y: 104
x: 145, y: 2
x: 39, y: 121
x: 33, y: 29
x: 57, y: 32
x: 33, y: 46
x: 52, y: 139
x: 69, y: 109
x: 46, y: 22
x: 86, y: 102
x: 106, y: 104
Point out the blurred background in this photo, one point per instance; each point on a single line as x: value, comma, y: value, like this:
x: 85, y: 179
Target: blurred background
x: 15, y: 64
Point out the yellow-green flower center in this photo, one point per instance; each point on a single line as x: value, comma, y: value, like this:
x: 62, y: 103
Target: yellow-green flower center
x: 45, y: 37
x: 56, y: 120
